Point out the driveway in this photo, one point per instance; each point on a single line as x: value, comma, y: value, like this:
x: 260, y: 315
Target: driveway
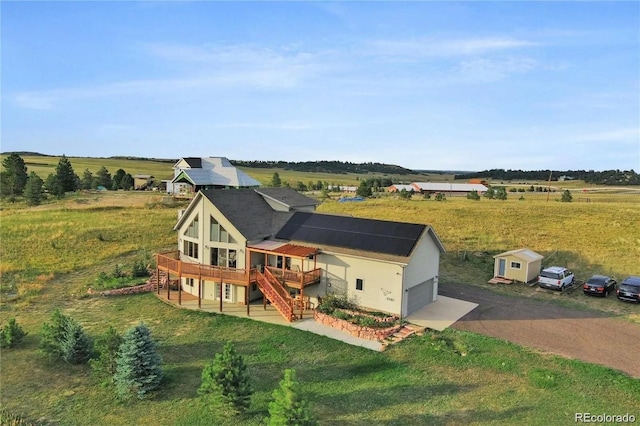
x: 585, y: 335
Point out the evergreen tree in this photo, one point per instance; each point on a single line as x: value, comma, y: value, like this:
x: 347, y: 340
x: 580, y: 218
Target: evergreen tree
x: 490, y: 193
x: 104, y: 177
x: 275, y: 180
x: 473, y: 195
x: 53, y: 186
x: 75, y: 345
x: 566, y: 196
x: 227, y: 376
x: 14, y: 176
x: 87, y: 180
x: 364, y: 190
x: 117, y: 179
x: 11, y: 334
x: 106, y: 348
x: 440, y: 197
x: 289, y: 407
x: 65, y: 174
x: 127, y: 182
x: 138, y: 369
x: 501, y: 193
x: 33, y: 191
x: 52, y: 334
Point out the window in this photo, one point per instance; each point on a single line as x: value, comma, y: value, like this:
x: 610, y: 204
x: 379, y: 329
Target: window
x: 232, y: 258
x: 222, y: 257
x: 214, y: 256
x: 224, y: 236
x: 227, y: 291
x: 190, y: 282
x: 192, y: 230
x: 190, y: 249
x: 214, y: 231
x: 515, y: 265
x: 359, y: 284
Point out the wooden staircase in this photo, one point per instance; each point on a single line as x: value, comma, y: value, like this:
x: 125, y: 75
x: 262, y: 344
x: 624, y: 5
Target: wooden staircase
x: 276, y: 294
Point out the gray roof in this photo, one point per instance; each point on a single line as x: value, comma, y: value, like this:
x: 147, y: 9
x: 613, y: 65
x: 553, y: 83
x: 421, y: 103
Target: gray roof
x: 215, y: 171
x: 288, y: 197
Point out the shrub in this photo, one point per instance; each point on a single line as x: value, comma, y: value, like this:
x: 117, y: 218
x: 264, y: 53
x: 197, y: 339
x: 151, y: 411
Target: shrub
x: 334, y: 301
x: 139, y: 269
x: 227, y: 377
x: 440, y: 197
x: 566, y: 196
x: 138, y: 369
x: 11, y: 334
x: 106, y: 348
x: 289, y: 406
x: 473, y: 195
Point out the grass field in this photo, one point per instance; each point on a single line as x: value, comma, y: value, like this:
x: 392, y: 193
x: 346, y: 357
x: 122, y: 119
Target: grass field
x: 52, y: 252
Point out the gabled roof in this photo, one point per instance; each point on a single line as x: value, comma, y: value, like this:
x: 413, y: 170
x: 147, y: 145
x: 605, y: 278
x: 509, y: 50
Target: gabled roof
x: 378, y: 236
x: 287, y: 196
x: 524, y: 254
x: 214, y: 171
x: 445, y: 187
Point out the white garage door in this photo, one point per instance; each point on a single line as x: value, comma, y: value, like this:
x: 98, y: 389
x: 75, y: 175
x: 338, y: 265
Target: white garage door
x: 420, y: 295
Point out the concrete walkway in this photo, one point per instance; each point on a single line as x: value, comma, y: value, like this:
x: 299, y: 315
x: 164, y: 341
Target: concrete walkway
x: 441, y: 313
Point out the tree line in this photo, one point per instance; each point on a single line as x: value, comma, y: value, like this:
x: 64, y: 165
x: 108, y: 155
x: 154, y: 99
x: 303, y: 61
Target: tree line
x: 334, y: 167
x: 606, y: 177
x: 16, y: 182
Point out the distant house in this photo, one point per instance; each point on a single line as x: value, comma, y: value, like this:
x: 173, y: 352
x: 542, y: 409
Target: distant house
x: 240, y: 245
x: 142, y: 181
x: 398, y: 187
x: 522, y: 265
x: 192, y: 174
x: 450, y: 189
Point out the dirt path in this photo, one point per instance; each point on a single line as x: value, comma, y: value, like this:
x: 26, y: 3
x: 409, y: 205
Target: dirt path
x: 585, y: 335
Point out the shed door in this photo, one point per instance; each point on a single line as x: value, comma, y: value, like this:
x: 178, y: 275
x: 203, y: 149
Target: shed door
x: 419, y: 296
x: 501, y: 267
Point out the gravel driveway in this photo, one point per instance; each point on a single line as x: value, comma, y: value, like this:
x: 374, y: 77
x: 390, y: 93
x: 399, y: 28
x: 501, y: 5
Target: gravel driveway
x: 585, y: 335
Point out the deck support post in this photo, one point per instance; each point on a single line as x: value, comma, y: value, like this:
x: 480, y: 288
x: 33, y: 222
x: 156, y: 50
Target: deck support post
x: 158, y: 280
x: 200, y: 292
x: 220, y: 293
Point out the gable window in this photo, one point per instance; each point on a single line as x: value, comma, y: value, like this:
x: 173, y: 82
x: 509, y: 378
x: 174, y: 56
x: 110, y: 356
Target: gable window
x: 192, y: 230
x: 190, y: 249
x: 515, y: 265
x: 359, y: 284
x: 218, y: 233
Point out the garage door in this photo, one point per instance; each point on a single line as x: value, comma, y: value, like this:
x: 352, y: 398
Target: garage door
x: 420, y: 295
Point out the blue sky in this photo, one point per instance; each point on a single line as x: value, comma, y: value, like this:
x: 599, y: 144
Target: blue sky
x: 425, y: 85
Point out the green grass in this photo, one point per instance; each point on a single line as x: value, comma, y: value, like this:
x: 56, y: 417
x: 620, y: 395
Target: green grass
x: 50, y: 253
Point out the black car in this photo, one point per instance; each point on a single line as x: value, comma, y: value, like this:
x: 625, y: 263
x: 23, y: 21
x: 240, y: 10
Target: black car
x: 599, y: 285
x: 630, y: 289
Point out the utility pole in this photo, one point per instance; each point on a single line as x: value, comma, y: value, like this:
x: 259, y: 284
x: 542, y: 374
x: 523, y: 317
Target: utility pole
x: 549, y: 186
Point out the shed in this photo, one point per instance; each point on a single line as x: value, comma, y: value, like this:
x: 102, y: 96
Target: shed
x: 520, y: 265
x: 142, y: 181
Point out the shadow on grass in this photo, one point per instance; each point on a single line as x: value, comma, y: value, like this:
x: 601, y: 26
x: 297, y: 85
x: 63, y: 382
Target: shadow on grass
x: 459, y: 417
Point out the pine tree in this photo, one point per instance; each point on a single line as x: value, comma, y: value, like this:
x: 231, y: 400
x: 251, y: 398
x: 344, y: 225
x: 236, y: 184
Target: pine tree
x: 52, y: 335
x: 53, y: 185
x: 501, y: 193
x: 117, y: 179
x: 75, y: 345
x: 33, y: 191
x: 14, y: 175
x: 106, y: 348
x: 289, y: 407
x: 473, y: 195
x: 65, y: 174
x: 11, y: 334
x: 566, y: 196
x: 127, y: 182
x: 138, y: 369
x: 490, y: 193
x: 227, y: 376
x: 275, y: 180
x: 87, y: 179
x: 364, y: 190
x: 104, y: 177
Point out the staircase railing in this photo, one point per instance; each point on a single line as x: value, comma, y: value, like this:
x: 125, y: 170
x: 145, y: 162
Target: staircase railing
x: 276, y: 294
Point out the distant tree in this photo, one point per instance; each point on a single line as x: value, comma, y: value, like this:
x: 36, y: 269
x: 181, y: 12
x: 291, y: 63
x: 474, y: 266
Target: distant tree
x: 117, y: 179
x: 33, y: 191
x: 65, y: 174
x: 127, y: 182
x: 11, y: 334
x: 566, y: 196
x: 138, y: 369
x: 52, y: 334
x: 301, y: 187
x: 473, y: 195
x: 76, y: 347
x: 364, y: 190
x: 405, y: 195
x: 275, y: 180
x: 227, y: 376
x: 501, y: 193
x: 531, y: 189
x: 14, y: 175
x: 87, y: 180
x: 289, y: 406
x: 53, y: 186
x: 106, y: 349
x: 311, y: 186
x: 104, y: 177
x: 490, y: 193
x: 319, y: 185
x: 440, y: 196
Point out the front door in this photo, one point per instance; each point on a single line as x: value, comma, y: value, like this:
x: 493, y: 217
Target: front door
x: 228, y: 292
x: 501, y: 267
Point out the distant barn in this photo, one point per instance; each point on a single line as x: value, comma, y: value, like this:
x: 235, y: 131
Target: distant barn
x: 450, y: 189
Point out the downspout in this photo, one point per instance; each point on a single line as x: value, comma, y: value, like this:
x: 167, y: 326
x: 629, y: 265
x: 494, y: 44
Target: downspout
x: 402, y: 293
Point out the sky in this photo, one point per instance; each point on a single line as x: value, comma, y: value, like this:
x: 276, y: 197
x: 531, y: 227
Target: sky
x: 425, y: 85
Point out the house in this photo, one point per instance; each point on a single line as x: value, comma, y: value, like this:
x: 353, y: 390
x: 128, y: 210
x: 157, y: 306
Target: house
x: 192, y: 174
x: 142, y: 181
x: 398, y: 188
x: 450, y: 189
x: 522, y: 265
x: 269, y: 243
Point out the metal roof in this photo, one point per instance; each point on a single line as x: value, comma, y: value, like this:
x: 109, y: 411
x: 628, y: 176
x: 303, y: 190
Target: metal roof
x: 449, y: 187
x: 215, y: 171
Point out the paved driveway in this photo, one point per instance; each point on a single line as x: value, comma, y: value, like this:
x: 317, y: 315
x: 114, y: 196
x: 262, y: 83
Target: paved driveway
x: 585, y: 335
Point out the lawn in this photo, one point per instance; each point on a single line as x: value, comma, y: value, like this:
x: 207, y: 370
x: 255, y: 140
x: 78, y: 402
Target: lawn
x: 56, y: 250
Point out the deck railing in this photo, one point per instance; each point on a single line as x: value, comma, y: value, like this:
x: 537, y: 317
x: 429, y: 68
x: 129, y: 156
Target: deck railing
x: 293, y: 277
x: 171, y: 262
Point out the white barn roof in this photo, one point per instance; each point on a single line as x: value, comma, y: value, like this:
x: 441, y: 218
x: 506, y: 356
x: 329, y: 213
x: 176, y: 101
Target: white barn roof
x: 450, y: 187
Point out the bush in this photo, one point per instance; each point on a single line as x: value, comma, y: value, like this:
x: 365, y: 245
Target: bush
x: 440, y: 197
x: 289, y: 407
x: 11, y: 334
x: 106, y: 348
x: 227, y: 377
x: 138, y: 369
x: 566, y: 196
x: 473, y: 195
x: 139, y: 269
x: 334, y: 301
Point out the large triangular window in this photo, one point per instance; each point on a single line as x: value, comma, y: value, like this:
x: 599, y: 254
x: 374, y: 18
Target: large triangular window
x: 192, y: 230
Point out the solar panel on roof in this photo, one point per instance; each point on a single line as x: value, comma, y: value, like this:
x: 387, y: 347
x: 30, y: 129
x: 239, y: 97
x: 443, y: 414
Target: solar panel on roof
x: 378, y: 236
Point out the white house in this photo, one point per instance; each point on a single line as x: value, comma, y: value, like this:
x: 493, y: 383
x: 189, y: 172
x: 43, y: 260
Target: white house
x: 245, y: 244
x: 192, y: 174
